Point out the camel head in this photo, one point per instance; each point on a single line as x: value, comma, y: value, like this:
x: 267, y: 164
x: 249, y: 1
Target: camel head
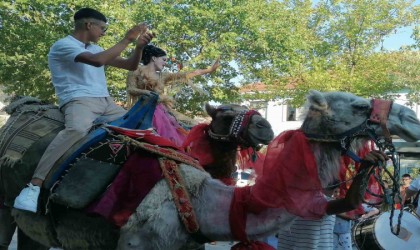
x: 337, y: 113
x: 237, y: 124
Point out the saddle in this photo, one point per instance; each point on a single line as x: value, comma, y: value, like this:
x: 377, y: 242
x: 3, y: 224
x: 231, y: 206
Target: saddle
x: 122, y: 149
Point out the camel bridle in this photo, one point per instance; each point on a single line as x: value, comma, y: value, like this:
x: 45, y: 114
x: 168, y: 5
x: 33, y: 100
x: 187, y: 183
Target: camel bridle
x: 379, y: 115
x: 238, y: 129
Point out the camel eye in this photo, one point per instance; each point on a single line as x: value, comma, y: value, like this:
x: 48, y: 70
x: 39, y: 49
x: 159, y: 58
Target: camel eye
x: 361, y: 107
x: 260, y: 125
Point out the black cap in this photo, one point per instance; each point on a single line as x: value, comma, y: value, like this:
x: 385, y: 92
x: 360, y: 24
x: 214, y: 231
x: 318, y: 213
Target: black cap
x: 89, y: 13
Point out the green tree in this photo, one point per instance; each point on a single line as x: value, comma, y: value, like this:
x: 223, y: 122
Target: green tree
x: 28, y: 29
x: 406, y: 73
x: 346, y: 57
x: 259, y: 40
x: 291, y: 45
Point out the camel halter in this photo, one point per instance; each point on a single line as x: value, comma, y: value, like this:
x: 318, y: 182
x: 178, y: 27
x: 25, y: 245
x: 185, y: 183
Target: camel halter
x: 237, y: 129
x: 379, y: 115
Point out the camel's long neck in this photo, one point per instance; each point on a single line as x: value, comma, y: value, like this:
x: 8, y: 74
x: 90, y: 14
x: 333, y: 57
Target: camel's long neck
x: 224, y: 159
x: 328, y: 158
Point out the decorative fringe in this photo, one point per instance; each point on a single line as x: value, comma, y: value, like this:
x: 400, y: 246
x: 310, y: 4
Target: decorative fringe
x: 27, y: 104
x: 20, y: 101
x: 7, y: 161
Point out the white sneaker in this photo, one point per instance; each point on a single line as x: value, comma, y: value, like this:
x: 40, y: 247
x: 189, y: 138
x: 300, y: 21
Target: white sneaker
x: 28, y: 198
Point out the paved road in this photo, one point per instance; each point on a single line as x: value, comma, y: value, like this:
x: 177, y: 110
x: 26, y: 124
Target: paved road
x: 220, y: 245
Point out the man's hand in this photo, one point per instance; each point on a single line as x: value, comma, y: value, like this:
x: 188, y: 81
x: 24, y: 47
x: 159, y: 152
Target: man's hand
x: 135, y: 32
x: 374, y: 157
x: 145, y: 38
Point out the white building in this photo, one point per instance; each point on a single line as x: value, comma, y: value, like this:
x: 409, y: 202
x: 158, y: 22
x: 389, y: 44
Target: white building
x: 3, y: 115
x: 280, y: 115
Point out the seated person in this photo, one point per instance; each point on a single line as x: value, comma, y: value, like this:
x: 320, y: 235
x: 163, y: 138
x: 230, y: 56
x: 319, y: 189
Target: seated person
x: 78, y: 76
x: 406, y: 181
x: 149, y: 77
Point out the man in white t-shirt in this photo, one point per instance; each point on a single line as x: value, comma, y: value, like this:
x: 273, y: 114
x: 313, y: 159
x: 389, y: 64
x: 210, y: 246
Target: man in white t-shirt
x: 412, y: 191
x: 78, y: 76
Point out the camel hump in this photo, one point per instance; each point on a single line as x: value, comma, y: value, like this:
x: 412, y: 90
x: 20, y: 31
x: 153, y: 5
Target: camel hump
x: 28, y: 131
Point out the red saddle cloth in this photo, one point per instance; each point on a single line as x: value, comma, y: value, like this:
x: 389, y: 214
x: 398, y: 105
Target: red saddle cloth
x: 146, y: 136
x: 137, y: 177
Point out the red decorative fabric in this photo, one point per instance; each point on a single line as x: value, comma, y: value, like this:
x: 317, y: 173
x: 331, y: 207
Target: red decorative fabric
x: 237, y: 221
x: 252, y: 245
x: 289, y: 179
x: 238, y: 212
x: 180, y: 194
x: 146, y: 136
x: 137, y: 177
x: 197, y: 144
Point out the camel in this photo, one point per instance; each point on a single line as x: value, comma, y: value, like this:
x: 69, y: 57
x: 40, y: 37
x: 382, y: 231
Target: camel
x: 156, y: 224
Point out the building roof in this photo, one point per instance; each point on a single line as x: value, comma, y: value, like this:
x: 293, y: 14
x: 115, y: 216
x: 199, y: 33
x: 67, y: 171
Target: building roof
x: 262, y: 87
x: 253, y: 87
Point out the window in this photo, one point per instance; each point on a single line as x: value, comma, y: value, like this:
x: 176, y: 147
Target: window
x: 260, y: 106
x: 291, y: 114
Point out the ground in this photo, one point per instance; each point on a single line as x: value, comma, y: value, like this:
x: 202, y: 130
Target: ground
x: 217, y: 246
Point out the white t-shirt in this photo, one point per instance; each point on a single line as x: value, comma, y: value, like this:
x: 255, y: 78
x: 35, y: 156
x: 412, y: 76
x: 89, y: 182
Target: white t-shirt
x: 415, y: 186
x: 74, y: 79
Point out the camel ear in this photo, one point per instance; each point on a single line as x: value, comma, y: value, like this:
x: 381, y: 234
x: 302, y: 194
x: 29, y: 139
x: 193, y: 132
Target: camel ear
x: 317, y: 100
x: 210, y: 109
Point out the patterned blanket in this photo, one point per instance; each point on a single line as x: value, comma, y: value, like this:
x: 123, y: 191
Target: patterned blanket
x: 23, y: 139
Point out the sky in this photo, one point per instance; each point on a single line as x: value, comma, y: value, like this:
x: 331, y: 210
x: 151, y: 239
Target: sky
x: 400, y: 38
